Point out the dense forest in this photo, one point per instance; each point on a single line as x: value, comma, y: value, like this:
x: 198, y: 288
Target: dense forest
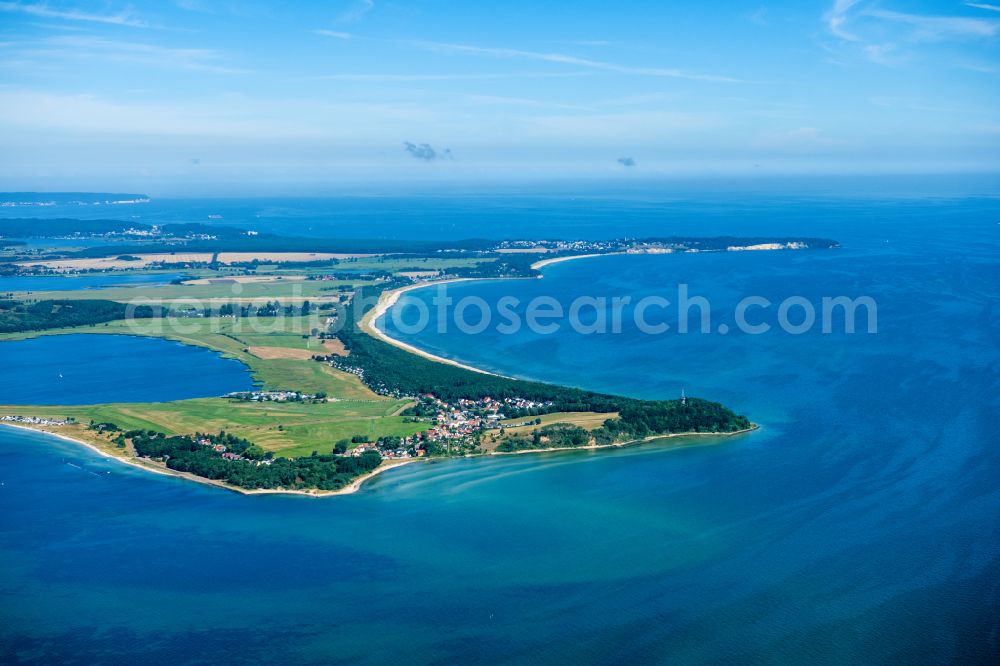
x: 236, y: 461
x: 506, y: 265
x: 638, y: 419
x: 555, y: 436
x: 17, y: 316
x: 392, y: 371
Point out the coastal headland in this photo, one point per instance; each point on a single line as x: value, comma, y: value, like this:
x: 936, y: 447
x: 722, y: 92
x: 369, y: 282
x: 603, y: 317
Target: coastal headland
x: 339, y: 400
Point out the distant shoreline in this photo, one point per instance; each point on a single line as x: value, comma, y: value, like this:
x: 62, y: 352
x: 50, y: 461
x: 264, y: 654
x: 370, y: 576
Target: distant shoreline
x: 538, y: 265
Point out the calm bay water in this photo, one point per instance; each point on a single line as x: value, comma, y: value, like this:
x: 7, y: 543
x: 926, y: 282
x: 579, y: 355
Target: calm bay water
x: 79, y: 282
x: 86, y: 369
x: 860, y: 524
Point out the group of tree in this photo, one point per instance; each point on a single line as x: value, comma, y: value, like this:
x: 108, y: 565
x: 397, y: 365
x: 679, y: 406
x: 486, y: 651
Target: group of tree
x: 555, y: 436
x: 249, y: 466
x: 19, y: 315
x: 636, y: 420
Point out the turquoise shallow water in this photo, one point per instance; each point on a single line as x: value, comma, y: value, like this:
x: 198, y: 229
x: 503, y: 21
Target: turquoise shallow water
x: 860, y: 524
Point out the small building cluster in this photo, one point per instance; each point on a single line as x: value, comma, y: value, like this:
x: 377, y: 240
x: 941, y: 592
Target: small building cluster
x: 35, y: 420
x: 273, y: 396
x: 457, y: 424
x: 230, y: 455
x: 392, y: 448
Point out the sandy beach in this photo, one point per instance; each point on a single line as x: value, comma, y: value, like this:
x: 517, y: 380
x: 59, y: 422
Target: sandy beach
x: 538, y: 265
x: 386, y: 301
x: 155, y: 468
x: 389, y: 298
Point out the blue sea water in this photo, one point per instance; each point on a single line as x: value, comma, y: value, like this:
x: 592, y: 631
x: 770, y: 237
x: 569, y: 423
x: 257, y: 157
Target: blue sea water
x: 82, y: 369
x: 81, y: 282
x: 860, y: 524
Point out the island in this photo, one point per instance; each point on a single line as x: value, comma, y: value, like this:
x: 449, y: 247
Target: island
x: 336, y: 400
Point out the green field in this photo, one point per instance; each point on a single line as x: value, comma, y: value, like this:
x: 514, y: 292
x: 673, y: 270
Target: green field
x: 586, y: 420
x: 287, y: 428
x: 287, y: 292
x: 232, y: 337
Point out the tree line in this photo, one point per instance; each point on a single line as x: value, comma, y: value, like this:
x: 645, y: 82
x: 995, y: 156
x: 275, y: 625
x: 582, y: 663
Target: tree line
x: 389, y: 370
x: 253, y: 468
x: 16, y: 316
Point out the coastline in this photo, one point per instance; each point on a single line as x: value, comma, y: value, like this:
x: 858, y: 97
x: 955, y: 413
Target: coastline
x: 621, y: 445
x: 356, y: 485
x: 538, y: 265
x: 368, y: 325
x: 389, y: 298
x: 150, y: 466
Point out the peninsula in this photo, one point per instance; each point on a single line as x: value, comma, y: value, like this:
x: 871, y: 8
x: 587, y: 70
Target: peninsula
x: 337, y: 400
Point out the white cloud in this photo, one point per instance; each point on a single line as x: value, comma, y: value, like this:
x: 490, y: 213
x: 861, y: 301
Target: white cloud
x: 981, y: 5
x: 569, y: 60
x: 937, y: 27
x: 218, y: 119
x: 404, y: 78
x: 758, y: 17
x: 883, y: 54
x: 82, y: 46
x: 356, y: 12
x: 43, y: 10
x: 333, y: 33
x: 891, y: 38
x: 926, y: 27
x: 836, y: 18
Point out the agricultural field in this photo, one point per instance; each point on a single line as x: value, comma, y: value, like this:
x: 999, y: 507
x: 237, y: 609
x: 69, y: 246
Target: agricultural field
x: 234, y: 338
x: 277, y: 351
x: 287, y: 291
x: 287, y: 429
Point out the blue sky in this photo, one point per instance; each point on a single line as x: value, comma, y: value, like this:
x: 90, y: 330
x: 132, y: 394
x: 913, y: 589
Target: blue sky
x: 230, y: 95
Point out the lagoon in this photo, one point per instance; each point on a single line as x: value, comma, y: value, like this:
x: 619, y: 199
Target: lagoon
x: 34, y: 283
x: 88, y: 369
